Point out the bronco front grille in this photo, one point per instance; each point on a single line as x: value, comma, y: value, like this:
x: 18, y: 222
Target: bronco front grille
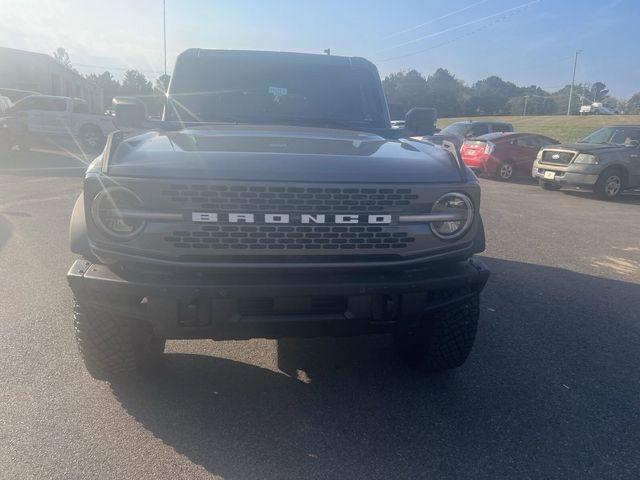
x: 190, y: 220
x: 289, y: 237
x: 233, y: 198
x: 557, y: 157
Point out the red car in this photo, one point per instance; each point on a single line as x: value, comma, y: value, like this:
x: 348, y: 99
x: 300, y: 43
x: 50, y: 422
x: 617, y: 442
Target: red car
x: 504, y: 155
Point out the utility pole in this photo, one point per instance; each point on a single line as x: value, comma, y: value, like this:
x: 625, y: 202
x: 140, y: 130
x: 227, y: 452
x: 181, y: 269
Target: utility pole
x: 526, y: 99
x: 573, y: 81
x: 164, y: 33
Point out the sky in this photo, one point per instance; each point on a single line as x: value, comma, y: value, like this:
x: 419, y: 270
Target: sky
x: 524, y: 41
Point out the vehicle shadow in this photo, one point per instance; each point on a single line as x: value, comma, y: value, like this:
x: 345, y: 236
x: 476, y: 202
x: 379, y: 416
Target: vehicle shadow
x: 45, y: 160
x: 549, y: 391
x: 520, y: 180
x: 631, y: 196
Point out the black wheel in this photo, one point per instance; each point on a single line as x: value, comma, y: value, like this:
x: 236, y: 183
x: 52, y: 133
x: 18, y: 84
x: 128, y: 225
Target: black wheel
x: 505, y: 171
x: 115, y: 348
x: 549, y: 185
x: 91, y: 137
x: 444, y: 340
x: 610, y: 184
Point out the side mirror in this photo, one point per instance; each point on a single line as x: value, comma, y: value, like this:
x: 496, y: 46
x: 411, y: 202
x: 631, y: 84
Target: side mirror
x: 420, y: 121
x: 130, y: 112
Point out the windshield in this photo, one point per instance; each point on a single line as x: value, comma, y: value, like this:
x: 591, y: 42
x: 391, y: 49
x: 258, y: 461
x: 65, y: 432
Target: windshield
x: 614, y: 136
x: 458, y: 129
x: 260, y: 90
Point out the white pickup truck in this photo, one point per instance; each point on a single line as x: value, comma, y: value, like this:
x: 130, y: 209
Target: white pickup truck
x: 46, y: 115
x: 598, y: 108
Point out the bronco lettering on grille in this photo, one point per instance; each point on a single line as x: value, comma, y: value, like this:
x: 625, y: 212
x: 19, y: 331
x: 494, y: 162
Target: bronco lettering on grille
x: 287, y: 218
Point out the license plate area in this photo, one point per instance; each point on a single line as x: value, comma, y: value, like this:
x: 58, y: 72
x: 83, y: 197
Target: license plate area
x: 292, y: 306
x: 194, y: 312
x: 549, y: 175
x: 202, y: 312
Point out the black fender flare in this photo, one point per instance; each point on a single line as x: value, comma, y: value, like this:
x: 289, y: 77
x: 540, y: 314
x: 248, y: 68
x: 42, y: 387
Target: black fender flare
x: 78, y: 237
x: 479, y: 240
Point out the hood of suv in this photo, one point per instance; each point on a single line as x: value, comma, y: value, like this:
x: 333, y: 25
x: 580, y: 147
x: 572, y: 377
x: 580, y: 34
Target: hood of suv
x: 280, y: 153
x: 586, y: 147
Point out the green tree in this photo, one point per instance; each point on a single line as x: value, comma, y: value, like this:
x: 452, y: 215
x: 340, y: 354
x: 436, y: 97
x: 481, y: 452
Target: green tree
x: 135, y: 83
x: 109, y: 85
x: 580, y: 97
x: 405, y: 90
x: 61, y: 56
x: 536, y: 105
x: 162, y: 84
x: 598, y: 92
x: 633, y: 105
x: 156, y: 103
x: 491, y: 95
x: 538, y: 102
x: 446, y: 93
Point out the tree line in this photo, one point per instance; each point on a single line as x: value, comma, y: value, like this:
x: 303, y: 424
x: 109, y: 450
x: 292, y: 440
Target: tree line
x: 134, y: 83
x: 408, y: 89
x: 490, y: 96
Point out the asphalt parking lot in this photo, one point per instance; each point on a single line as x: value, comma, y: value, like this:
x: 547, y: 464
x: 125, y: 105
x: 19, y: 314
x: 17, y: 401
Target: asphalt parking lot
x: 551, y: 389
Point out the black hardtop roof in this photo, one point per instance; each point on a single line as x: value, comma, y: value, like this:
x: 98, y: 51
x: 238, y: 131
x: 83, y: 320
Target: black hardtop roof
x: 291, y: 56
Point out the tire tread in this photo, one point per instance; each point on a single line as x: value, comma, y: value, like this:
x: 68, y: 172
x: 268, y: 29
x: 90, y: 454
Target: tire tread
x: 444, y: 341
x: 114, y: 348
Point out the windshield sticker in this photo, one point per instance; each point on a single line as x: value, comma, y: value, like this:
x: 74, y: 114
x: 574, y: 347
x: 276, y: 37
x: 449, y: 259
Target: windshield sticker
x: 278, y: 91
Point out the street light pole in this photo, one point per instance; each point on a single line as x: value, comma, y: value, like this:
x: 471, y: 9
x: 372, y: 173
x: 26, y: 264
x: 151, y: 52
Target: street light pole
x: 573, y: 81
x: 164, y: 34
x: 526, y: 99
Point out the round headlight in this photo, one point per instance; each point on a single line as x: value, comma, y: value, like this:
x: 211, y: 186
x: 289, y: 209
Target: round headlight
x: 113, y: 211
x: 459, y: 208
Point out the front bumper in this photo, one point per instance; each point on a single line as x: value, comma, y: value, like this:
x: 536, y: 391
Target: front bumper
x: 563, y: 176
x: 241, y: 305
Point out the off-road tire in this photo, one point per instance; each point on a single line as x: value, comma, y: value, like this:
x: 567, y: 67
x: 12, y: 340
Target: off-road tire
x: 549, y: 186
x: 115, y: 348
x: 444, y: 339
x: 603, y: 189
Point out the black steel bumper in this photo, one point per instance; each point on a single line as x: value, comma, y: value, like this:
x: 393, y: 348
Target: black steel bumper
x: 273, y: 304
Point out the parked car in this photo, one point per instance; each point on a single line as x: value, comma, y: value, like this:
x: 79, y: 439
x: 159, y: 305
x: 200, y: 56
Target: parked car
x: 504, y: 155
x: 607, y: 161
x: 15, y: 95
x: 5, y: 103
x: 459, y: 131
x: 598, y: 108
x: 62, y: 116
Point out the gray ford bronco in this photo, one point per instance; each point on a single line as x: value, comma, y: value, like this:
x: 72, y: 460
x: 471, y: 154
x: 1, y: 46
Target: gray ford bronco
x: 274, y: 200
